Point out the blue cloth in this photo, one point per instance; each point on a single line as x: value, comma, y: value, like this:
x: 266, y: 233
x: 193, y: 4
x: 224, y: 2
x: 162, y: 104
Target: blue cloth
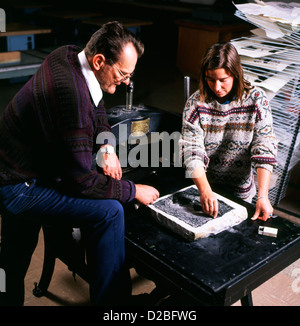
x: 102, y: 226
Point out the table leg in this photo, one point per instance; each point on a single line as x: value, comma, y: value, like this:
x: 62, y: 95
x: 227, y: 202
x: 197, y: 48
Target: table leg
x: 247, y: 300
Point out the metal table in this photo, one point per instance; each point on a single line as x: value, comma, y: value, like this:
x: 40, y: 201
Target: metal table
x: 218, y: 270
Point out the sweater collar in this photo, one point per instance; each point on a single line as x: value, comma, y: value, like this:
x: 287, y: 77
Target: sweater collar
x: 91, y: 80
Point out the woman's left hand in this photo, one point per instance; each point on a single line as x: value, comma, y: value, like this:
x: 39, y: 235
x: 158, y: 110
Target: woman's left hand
x: 264, y: 209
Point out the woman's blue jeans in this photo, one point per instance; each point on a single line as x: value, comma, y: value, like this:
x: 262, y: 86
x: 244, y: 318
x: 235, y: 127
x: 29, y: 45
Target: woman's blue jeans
x: 25, y: 207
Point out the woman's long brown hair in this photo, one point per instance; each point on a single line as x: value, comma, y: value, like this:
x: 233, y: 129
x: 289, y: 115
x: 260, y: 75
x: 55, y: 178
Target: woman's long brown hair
x: 223, y: 55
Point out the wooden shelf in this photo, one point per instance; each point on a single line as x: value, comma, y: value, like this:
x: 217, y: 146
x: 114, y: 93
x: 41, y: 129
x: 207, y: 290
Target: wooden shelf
x: 14, y: 29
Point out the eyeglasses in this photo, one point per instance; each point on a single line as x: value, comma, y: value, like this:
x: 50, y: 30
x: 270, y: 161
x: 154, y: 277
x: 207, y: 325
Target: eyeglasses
x: 125, y: 77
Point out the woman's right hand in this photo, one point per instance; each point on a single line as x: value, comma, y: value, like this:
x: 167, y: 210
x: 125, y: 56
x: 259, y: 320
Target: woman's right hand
x: 209, y: 203
x: 208, y: 198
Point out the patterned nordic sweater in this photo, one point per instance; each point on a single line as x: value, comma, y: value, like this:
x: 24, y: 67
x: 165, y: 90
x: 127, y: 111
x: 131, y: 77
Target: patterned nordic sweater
x: 48, y: 132
x: 229, y: 139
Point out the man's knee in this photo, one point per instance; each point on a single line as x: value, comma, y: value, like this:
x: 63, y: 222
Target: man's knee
x: 109, y: 212
x: 116, y: 209
x: 116, y: 215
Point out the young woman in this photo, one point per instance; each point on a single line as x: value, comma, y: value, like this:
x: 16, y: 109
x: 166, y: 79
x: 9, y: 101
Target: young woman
x: 227, y: 131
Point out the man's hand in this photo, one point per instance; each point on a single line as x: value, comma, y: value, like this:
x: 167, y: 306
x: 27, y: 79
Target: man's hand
x: 110, y: 165
x: 145, y: 194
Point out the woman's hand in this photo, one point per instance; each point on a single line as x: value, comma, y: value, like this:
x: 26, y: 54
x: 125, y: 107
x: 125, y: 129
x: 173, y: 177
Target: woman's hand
x: 209, y: 203
x: 264, y: 209
x: 208, y: 198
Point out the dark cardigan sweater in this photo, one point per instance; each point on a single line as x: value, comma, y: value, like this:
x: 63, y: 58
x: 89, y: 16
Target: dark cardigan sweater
x: 48, y: 132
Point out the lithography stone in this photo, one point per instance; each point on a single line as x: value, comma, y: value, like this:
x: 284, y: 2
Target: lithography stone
x: 182, y: 213
x: 186, y: 206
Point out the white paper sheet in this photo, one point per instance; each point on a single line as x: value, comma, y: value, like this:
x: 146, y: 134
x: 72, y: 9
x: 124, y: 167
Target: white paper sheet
x: 277, y: 11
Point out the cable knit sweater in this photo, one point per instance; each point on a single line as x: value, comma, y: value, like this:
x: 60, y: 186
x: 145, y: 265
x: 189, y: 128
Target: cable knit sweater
x: 48, y: 132
x: 228, y: 139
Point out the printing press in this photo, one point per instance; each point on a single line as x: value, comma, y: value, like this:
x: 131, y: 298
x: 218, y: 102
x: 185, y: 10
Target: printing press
x: 218, y: 270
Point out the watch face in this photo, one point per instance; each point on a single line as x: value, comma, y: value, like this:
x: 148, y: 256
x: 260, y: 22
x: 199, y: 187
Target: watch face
x: 107, y: 149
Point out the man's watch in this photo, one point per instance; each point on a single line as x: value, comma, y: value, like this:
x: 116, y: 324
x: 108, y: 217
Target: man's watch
x: 107, y: 149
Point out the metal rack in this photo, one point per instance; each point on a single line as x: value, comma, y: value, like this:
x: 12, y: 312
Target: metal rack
x: 282, y: 88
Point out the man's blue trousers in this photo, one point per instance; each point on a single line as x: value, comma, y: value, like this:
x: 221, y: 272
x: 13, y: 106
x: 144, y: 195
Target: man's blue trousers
x: 25, y: 207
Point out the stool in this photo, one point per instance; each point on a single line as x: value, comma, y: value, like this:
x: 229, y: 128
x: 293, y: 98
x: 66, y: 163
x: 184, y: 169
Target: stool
x: 19, y: 237
x: 65, y: 244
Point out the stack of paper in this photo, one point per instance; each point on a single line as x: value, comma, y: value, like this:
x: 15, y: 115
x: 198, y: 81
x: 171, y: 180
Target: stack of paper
x: 276, y: 19
x: 271, y: 60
